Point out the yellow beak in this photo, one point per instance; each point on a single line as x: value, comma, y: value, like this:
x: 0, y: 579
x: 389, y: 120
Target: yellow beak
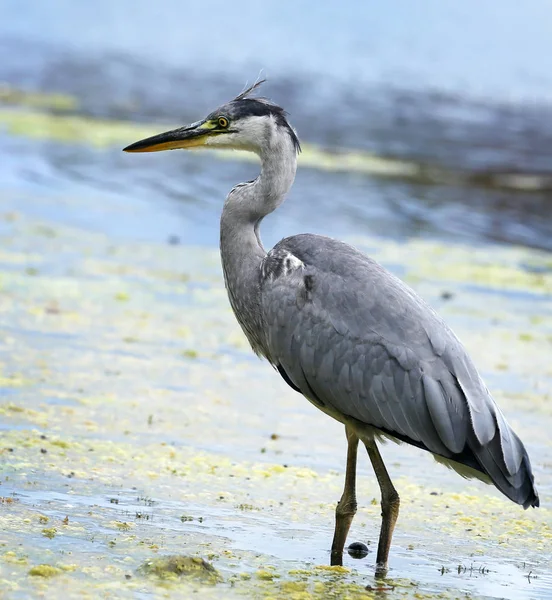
x: 190, y: 136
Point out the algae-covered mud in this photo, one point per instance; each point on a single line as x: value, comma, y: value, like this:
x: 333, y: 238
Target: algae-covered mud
x: 139, y: 437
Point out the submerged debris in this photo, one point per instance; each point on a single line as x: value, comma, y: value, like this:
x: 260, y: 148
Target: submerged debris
x: 358, y: 550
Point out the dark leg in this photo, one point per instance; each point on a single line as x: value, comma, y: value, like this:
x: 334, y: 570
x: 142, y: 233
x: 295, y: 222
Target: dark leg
x: 389, y: 507
x: 347, y: 506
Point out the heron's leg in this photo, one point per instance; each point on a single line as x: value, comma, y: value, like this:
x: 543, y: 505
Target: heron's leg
x: 347, y: 506
x: 389, y: 507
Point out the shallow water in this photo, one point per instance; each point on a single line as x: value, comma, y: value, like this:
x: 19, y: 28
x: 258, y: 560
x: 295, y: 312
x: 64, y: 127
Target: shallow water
x: 134, y: 421
x: 137, y: 424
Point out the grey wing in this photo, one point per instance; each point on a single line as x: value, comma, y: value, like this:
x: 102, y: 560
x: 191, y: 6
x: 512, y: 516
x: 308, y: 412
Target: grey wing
x: 362, y: 345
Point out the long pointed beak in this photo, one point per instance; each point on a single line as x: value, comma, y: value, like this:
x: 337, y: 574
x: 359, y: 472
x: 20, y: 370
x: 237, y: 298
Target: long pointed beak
x: 190, y: 136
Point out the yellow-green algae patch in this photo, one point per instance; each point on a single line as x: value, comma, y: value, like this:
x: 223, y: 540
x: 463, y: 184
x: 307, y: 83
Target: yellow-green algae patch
x: 44, y: 571
x: 42, y: 100
x: 490, y: 274
x: 170, y: 567
x: 14, y: 558
x: 310, y: 585
x: 510, y: 268
x: 49, y: 532
x: 13, y: 380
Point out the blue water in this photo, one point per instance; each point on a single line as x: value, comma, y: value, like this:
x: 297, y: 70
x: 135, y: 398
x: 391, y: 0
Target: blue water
x: 465, y: 86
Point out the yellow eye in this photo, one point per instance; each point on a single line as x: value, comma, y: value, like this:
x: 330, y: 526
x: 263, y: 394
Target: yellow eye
x: 223, y: 122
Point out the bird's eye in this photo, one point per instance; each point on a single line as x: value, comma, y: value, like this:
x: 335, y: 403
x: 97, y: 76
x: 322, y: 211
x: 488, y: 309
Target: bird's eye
x: 223, y: 122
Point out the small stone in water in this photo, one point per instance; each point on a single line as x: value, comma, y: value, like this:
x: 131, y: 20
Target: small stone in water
x: 357, y: 550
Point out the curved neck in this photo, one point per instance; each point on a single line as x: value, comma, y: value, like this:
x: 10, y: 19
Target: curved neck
x: 248, y: 203
x: 241, y: 249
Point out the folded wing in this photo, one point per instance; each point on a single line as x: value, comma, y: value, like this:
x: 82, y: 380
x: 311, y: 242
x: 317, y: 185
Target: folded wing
x: 357, y: 341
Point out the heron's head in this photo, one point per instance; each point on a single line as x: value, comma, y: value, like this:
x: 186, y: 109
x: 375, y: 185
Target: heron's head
x: 244, y: 123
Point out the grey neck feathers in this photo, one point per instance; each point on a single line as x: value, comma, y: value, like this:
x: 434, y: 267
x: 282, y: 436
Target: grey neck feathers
x: 240, y: 245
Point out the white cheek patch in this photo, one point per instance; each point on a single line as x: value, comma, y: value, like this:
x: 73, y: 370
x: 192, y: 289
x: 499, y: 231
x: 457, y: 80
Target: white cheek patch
x: 222, y: 140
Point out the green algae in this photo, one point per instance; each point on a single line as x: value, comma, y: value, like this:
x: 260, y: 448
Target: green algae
x: 13, y: 380
x: 170, y: 567
x: 70, y: 128
x: 49, y: 532
x: 496, y: 268
x: 44, y: 571
x: 41, y: 100
x: 60, y: 443
x: 306, y: 584
x: 14, y: 559
x: 491, y: 274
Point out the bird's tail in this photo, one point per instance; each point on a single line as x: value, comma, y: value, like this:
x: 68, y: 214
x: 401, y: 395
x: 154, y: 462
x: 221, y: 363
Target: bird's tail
x: 506, y: 462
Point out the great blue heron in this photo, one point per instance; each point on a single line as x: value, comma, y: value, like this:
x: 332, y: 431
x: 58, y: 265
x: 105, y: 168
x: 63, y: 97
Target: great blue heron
x: 348, y: 335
